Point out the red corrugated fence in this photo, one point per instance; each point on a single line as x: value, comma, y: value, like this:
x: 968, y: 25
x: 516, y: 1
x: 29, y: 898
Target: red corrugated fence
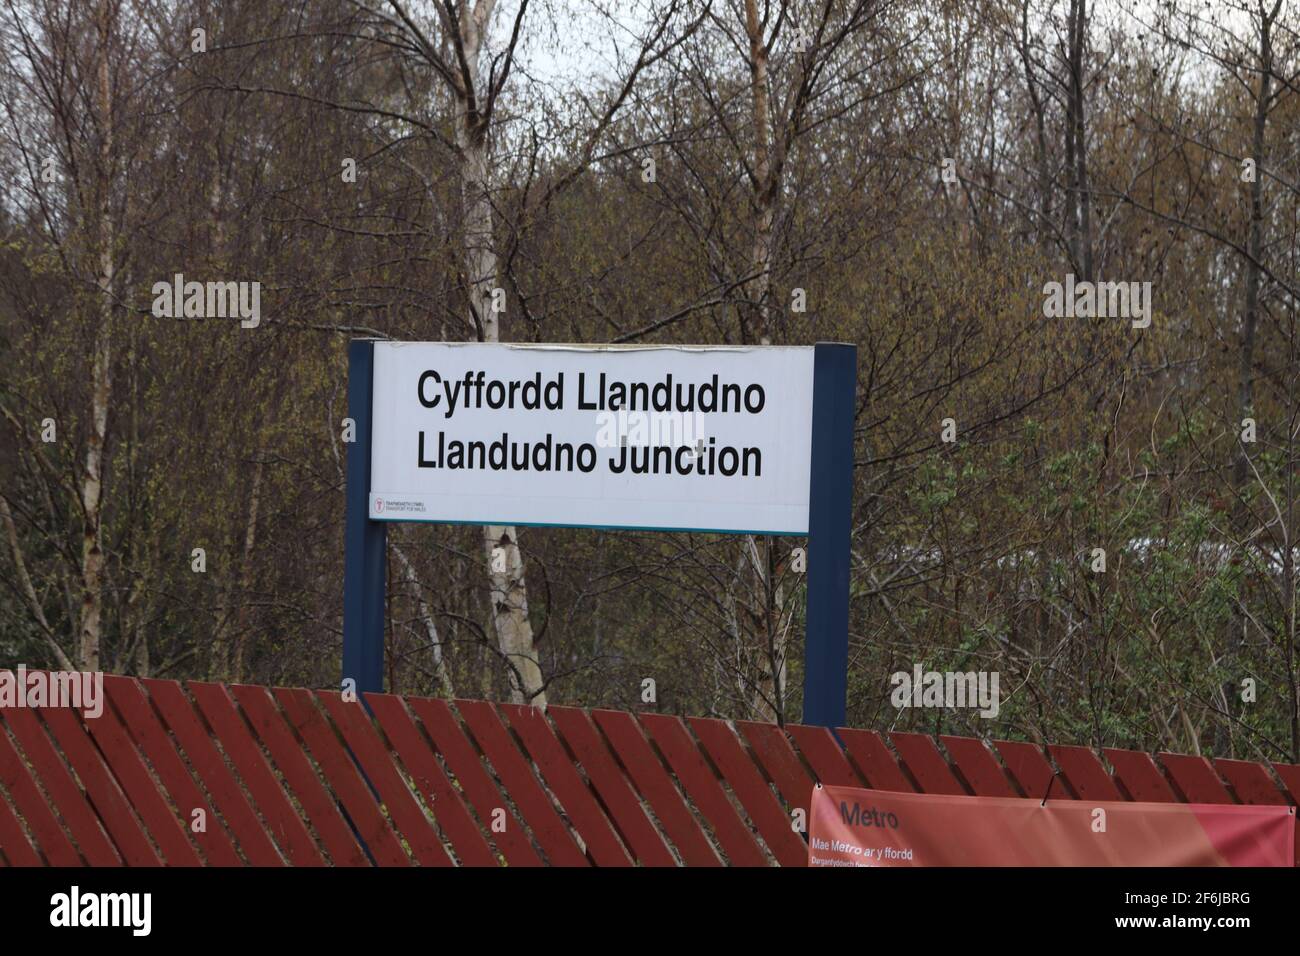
x: 206, y: 774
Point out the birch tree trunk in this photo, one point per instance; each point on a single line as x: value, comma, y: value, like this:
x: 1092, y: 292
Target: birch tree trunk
x: 1083, y: 197
x: 443, y: 672
x: 245, y: 573
x: 769, y: 694
x: 509, y: 592
x: 1236, y: 624
x: 765, y: 186
x: 92, y: 478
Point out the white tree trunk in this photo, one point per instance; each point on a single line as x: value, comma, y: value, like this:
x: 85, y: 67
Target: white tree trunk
x: 92, y: 478
x: 509, y: 594
x: 769, y: 695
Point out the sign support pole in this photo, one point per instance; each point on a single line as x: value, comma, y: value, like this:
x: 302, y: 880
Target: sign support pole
x: 830, y: 516
x: 364, y: 541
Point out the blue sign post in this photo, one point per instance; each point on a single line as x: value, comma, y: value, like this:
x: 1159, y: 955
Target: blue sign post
x: 830, y: 514
x: 365, y: 550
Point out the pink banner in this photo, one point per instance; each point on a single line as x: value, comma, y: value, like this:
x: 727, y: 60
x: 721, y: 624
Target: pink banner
x: 851, y: 827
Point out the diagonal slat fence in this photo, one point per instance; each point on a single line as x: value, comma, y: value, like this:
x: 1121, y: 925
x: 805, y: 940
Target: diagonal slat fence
x: 208, y: 774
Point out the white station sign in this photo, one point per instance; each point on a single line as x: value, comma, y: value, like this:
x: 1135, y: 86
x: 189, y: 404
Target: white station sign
x: 685, y: 438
